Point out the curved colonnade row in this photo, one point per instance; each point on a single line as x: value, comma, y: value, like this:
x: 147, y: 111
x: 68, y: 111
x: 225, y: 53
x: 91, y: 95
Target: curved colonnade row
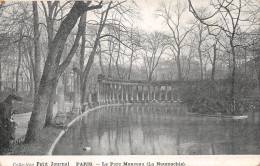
x: 111, y: 91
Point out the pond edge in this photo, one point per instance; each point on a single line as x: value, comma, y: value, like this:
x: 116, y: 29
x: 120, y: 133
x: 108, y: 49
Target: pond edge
x: 76, y: 119
x: 236, y: 117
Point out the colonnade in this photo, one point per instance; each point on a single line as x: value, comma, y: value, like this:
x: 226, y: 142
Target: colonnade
x: 117, y: 91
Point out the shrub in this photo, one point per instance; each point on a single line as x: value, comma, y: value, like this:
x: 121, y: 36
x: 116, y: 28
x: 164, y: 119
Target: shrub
x: 212, y: 98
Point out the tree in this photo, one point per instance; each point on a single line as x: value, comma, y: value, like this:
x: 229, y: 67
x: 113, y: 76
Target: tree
x: 134, y: 39
x: 51, y: 13
x: 53, y: 68
x: 37, y: 56
x: 172, y: 15
x: 103, y: 23
x: 200, y: 37
x: 85, y: 72
x: 226, y: 18
x: 153, y: 48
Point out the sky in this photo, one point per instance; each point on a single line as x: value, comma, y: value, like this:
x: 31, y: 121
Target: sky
x: 150, y: 22
x: 148, y: 19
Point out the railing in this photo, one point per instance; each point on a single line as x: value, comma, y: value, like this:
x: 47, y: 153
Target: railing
x: 111, y: 91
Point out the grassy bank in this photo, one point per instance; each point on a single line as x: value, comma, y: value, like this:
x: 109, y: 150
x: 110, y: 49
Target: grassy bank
x: 42, y: 146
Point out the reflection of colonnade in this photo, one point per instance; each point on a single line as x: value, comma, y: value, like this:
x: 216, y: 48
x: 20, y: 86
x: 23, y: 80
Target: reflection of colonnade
x: 111, y: 91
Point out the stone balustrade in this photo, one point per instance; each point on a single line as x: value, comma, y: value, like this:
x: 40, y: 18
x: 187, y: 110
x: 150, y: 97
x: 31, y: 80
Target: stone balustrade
x: 110, y: 91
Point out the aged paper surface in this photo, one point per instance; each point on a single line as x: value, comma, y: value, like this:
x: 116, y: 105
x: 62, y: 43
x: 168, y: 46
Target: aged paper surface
x: 149, y: 23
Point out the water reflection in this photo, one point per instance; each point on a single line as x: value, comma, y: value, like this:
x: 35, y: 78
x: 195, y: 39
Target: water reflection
x: 159, y: 130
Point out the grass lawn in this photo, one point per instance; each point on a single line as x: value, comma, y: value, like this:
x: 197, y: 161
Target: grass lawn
x: 42, y: 146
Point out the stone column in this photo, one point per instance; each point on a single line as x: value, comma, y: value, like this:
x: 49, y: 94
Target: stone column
x: 116, y: 91
x: 142, y: 92
x: 126, y: 93
x: 122, y: 93
x: 172, y: 94
x: 98, y: 94
x: 105, y: 93
x: 178, y: 93
x: 160, y: 94
x: 109, y: 93
x: 153, y: 93
x: 148, y: 93
x: 113, y: 92
x: 132, y: 93
x: 166, y: 92
x: 137, y: 97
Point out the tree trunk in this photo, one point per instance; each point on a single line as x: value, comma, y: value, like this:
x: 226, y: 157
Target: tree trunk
x: 150, y: 76
x: 179, y: 67
x: 82, y: 53
x: 37, y: 55
x: 49, y: 114
x: 245, y: 61
x: 233, y: 75
x: 1, y: 72
x: 100, y: 61
x: 258, y: 76
x: 109, y: 72
x: 201, y: 63
x: 31, y: 84
x: 93, y: 51
x: 214, y: 63
x: 52, y: 71
x: 131, y: 64
x: 188, y: 71
x: 38, y: 116
x: 18, y: 65
x: 257, y: 68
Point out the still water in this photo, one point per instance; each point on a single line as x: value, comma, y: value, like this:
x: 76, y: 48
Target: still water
x: 159, y: 130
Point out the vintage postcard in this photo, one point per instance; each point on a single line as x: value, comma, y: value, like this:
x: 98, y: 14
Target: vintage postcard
x: 130, y: 83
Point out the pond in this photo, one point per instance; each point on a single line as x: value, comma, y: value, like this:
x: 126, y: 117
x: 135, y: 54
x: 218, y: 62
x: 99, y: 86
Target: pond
x: 158, y: 129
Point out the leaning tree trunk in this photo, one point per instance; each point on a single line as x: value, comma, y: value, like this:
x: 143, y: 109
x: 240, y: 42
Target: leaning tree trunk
x: 41, y: 102
x: 82, y: 55
x: 52, y: 71
x: 37, y: 55
x: 49, y: 114
x: 93, y: 51
x: 100, y: 60
x: 18, y: 65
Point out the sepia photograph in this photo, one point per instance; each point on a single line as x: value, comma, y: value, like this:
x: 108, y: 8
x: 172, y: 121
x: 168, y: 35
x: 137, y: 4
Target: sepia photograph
x: 129, y: 77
